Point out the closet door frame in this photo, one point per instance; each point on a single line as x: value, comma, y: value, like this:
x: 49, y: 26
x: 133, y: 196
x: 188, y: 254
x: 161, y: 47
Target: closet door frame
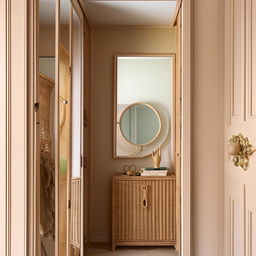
x: 186, y: 126
x: 33, y: 174
x: 33, y: 158
x: 76, y: 7
x: 32, y: 191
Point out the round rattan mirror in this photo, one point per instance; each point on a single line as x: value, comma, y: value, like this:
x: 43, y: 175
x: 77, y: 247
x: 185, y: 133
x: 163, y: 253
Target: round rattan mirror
x: 140, y: 124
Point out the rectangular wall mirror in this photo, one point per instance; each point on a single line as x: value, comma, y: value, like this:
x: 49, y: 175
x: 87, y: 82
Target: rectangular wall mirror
x: 143, y: 105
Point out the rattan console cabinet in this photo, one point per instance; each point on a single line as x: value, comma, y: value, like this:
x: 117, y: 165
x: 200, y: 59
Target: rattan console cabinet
x: 143, y: 211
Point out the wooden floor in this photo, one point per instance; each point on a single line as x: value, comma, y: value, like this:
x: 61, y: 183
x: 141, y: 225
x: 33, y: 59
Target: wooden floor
x: 105, y: 250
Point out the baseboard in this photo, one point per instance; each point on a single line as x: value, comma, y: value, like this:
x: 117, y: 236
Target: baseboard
x: 100, y: 237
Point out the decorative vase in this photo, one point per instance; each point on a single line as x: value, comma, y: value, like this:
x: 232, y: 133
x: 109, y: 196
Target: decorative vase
x: 156, y: 155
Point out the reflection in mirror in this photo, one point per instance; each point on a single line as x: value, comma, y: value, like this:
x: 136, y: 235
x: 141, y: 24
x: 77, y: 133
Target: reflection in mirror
x: 76, y: 93
x: 60, y: 231
x: 46, y: 92
x: 139, y: 130
x: 64, y: 122
x: 140, y: 124
x: 76, y: 223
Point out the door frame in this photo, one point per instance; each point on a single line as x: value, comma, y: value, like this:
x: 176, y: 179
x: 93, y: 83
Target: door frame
x: 186, y: 106
x: 186, y: 126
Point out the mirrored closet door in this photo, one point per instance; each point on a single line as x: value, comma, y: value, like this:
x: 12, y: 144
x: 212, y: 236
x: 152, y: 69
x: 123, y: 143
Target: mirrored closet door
x: 46, y: 90
x: 60, y: 133
x: 76, y: 174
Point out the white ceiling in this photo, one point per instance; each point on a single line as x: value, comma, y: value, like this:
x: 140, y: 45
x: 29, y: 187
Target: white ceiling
x: 130, y: 12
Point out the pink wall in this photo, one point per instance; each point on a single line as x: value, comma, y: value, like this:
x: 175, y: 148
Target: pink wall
x: 207, y: 135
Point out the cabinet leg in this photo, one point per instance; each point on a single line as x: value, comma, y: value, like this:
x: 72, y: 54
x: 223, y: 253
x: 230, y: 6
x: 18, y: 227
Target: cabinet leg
x: 113, y: 247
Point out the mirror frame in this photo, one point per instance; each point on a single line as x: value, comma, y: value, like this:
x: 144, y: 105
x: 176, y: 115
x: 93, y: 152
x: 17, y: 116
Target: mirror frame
x: 114, y: 137
x: 155, y: 111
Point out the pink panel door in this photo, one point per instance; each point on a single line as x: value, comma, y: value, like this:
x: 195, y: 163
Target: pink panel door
x: 240, y: 83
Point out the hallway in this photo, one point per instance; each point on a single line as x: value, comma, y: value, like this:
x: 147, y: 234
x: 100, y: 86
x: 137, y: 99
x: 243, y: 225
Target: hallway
x: 215, y: 197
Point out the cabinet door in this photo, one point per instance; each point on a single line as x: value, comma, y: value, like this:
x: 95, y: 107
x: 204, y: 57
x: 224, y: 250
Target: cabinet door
x: 144, y: 211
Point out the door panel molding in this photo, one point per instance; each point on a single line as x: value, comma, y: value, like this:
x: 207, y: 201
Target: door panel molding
x: 234, y: 218
x: 250, y: 219
x: 236, y: 46
x: 250, y: 56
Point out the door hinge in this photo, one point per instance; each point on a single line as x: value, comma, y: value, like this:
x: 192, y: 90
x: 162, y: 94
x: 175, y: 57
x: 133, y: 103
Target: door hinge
x: 81, y: 161
x: 69, y: 204
x: 70, y: 70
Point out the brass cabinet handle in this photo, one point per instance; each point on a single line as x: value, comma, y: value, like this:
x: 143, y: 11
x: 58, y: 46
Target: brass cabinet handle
x: 144, y: 196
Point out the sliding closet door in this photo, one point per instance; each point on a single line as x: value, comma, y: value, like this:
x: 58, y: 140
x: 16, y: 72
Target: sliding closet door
x: 60, y: 122
x: 76, y: 182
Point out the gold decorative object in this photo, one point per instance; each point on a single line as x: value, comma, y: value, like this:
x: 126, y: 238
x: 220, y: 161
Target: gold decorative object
x: 129, y: 169
x: 156, y: 155
x: 240, y: 148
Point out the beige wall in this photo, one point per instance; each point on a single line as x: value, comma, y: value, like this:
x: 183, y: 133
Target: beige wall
x: 47, y: 39
x: 106, y: 43
x: 207, y: 135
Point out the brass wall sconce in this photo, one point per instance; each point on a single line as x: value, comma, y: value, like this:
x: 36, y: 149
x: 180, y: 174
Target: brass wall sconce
x: 240, y: 148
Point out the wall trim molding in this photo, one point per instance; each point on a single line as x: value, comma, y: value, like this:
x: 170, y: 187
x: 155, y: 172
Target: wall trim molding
x: 3, y: 130
x: 186, y: 149
x: 221, y: 118
x: 8, y: 128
